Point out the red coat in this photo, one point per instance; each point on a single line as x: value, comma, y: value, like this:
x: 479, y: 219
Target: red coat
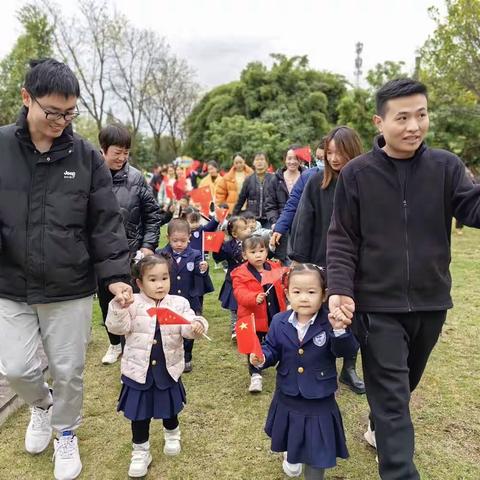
x: 246, y: 288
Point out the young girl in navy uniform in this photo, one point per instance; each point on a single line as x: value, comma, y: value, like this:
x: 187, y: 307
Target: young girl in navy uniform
x: 231, y: 252
x: 152, y: 360
x: 188, y: 272
x: 304, y: 421
x: 263, y: 301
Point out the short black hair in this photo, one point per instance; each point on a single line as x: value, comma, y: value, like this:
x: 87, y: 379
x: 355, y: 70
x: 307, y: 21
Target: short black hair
x: 247, y: 215
x: 48, y: 77
x: 179, y: 225
x: 400, y: 87
x: 146, y: 263
x: 114, y: 134
x: 233, y: 222
x: 253, y: 242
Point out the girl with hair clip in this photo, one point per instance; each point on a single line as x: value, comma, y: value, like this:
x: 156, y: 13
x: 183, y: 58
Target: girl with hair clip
x: 304, y: 421
x: 153, y: 359
x: 231, y: 252
x: 254, y: 297
x: 308, y: 237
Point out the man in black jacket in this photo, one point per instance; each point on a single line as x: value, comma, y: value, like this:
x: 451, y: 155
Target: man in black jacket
x: 141, y: 214
x: 388, y: 255
x: 60, y: 229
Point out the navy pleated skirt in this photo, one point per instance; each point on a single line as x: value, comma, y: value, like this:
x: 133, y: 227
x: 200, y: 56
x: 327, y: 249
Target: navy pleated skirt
x: 310, y: 431
x: 153, y: 402
x: 226, y: 297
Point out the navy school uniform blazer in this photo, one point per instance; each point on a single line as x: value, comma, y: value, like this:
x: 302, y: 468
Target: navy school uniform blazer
x: 231, y: 251
x: 306, y: 368
x: 196, y: 235
x: 185, y: 278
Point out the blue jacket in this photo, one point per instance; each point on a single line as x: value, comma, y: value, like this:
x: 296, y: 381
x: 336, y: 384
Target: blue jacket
x: 231, y: 251
x: 285, y: 220
x: 185, y: 277
x: 306, y: 368
x: 196, y: 235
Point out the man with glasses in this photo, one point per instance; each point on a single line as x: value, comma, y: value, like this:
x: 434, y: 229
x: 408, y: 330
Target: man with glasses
x: 60, y: 231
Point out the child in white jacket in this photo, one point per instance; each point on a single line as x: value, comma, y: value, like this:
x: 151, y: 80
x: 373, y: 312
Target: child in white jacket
x: 153, y: 358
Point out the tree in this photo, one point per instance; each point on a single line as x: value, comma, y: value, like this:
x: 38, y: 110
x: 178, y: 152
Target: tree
x: 34, y: 42
x: 287, y: 103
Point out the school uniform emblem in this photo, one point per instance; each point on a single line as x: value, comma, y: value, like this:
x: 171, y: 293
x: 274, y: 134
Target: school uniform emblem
x: 190, y: 266
x: 196, y: 234
x: 320, y: 340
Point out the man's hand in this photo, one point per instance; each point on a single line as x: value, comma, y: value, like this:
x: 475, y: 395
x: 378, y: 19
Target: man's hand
x: 146, y: 251
x: 341, y: 309
x: 123, y: 293
x: 275, y: 239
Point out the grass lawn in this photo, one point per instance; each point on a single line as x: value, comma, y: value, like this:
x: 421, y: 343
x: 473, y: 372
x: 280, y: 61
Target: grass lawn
x: 222, y: 424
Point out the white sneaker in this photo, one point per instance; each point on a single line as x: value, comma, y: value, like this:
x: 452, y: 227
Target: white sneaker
x: 291, y: 469
x: 67, y: 457
x: 369, y: 436
x: 255, y: 383
x: 141, y: 460
x: 113, y: 352
x: 39, y: 430
x: 172, y: 441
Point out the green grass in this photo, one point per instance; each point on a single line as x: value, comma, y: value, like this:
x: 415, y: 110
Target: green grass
x: 222, y: 425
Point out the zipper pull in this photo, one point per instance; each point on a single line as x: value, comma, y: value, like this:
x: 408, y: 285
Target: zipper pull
x: 404, y: 204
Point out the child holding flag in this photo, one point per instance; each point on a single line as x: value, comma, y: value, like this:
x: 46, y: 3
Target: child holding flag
x: 231, y: 252
x: 188, y: 272
x: 259, y: 293
x: 304, y: 421
x: 154, y: 327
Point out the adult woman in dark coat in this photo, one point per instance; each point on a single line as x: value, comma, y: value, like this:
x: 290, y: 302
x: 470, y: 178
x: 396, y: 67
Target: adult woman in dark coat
x: 308, y: 235
x: 278, y: 191
x: 141, y: 214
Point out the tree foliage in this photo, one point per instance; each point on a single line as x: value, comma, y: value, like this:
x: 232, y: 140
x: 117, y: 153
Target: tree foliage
x: 34, y: 42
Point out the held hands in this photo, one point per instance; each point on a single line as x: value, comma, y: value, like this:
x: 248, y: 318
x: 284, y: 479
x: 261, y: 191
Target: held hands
x: 256, y: 361
x: 146, y: 251
x: 197, y: 328
x: 123, y: 293
x: 341, y: 309
x: 261, y: 298
x: 203, y: 266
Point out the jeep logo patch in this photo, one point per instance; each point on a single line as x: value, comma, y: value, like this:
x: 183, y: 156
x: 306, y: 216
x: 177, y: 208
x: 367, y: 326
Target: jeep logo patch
x: 69, y: 175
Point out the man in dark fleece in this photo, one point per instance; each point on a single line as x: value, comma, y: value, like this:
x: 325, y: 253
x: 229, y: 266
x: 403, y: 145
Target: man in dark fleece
x: 388, y: 256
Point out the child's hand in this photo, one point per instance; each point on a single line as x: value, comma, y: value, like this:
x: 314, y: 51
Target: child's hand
x: 256, y: 361
x: 337, y: 318
x: 203, y: 265
x: 261, y: 297
x: 197, y: 328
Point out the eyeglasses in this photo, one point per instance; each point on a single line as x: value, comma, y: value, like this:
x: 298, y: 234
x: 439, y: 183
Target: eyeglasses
x: 68, y: 117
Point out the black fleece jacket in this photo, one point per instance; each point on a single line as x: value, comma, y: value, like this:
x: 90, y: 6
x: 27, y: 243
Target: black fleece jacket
x: 388, y: 245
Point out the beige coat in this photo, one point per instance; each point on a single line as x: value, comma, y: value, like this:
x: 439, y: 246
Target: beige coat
x: 139, y: 329
x: 227, y: 190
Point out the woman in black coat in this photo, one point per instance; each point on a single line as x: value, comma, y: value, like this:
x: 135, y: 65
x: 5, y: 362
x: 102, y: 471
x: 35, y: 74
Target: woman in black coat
x: 308, y: 235
x: 277, y: 194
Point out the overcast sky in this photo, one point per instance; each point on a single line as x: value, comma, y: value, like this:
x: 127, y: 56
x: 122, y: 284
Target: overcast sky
x: 219, y: 37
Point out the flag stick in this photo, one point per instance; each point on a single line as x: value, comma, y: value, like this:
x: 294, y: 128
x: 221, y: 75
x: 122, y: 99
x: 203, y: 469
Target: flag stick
x: 269, y: 288
x: 207, y: 337
x: 203, y: 250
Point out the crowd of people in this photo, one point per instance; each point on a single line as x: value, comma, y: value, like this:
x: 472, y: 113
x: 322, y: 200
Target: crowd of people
x: 321, y: 259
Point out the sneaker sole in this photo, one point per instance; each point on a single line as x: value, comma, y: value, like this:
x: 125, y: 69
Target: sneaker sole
x: 171, y: 453
x: 140, y: 474
x: 70, y: 477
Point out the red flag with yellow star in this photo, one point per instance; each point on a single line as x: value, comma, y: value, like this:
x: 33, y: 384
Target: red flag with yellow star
x: 165, y: 316
x: 212, y: 241
x: 247, y: 340
x: 273, y: 275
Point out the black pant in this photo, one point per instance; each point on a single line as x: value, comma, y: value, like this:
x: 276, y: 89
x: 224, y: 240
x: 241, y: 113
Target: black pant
x: 141, y: 428
x: 104, y: 298
x: 189, y: 342
x: 395, y: 349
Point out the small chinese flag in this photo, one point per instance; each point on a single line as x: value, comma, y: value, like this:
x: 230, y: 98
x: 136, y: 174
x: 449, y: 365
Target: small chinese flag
x: 201, y: 195
x: 212, y: 241
x: 247, y: 340
x: 165, y: 316
x: 169, y: 192
x: 273, y: 275
x: 303, y: 154
x: 221, y: 214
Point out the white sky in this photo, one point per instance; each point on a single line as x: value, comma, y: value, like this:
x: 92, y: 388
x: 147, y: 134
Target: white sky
x: 218, y: 38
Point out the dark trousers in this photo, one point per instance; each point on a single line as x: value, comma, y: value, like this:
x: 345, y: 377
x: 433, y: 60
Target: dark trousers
x: 395, y: 349
x: 251, y: 369
x: 187, y: 342
x: 104, y: 298
x: 141, y: 428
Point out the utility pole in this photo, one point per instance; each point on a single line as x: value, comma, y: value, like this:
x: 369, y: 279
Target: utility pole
x: 358, y: 63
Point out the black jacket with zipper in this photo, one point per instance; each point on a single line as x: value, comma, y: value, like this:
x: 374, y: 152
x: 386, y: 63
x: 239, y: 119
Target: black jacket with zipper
x: 253, y: 192
x: 59, y: 219
x: 139, y: 209
x: 388, y: 245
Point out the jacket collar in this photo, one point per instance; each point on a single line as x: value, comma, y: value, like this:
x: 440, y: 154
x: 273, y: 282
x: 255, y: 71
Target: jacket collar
x: 121, y: 175
x: 319, y: 325
x: 255, y: 272
x: 379, y: 143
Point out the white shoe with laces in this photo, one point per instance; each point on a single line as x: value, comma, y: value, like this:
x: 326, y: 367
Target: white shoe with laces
x: 172, y: 441
x: 141, y: 460
x: 67, y: 457
x: 39, y: 430
x: 256, y: 383
x: 113, y: 352
x: 291, y: 469
x: 369, y: 436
